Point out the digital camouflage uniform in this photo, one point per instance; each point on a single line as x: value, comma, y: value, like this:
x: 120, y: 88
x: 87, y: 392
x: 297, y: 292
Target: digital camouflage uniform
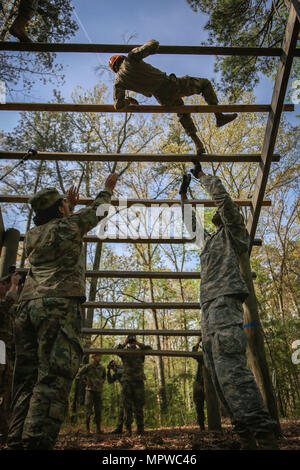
x: 136, y: 75
x: 47, y: 327
x: 222, y: 293
x: 198, y: 391
x: 117, y: 376
x: 133, y: 389
x: 27, y: 8
x: 6, y: 370
x: 94, y: 375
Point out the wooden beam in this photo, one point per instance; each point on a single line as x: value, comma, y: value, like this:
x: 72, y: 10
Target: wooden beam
x: 140, y: 352
x: 281, y: 82
x: 109, y: 108
x: 138, y: 158
x: 295, y: 4
x: 2, y: 230
x: 139, y: 274
x: 144, y: 305
x: 16, y: 199
x: 125, y: 332
x: 95, y: 239
x: 125, y: 48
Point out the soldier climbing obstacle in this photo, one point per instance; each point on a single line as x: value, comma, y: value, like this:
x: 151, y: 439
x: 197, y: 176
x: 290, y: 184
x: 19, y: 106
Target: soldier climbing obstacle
x: 47, y: 328
x: 222, y: 292
x: 136, y: 75
x: 27, y: 9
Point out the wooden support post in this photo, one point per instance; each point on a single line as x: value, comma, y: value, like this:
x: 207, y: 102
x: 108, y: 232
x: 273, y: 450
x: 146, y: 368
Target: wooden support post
x: 2, y: 230
x: 255, y: 343
x: 286, y: 60
x: 9, y: 250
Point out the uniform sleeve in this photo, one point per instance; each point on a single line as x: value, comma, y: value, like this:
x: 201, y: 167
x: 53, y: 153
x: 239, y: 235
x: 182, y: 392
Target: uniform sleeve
x: 139, y: 53
x: 144, y: 347
x: 8, y: 301
x: 111, y: 378
x: 120, y: 102
x: 230, y: 214
x: 87, y: 219
x: 82, y: 372
x: 193, y: 224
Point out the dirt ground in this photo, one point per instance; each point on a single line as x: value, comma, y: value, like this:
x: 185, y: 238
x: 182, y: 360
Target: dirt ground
x: 177, y: 438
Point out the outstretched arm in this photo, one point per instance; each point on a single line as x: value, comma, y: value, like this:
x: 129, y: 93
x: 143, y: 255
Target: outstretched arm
x: 139, y: 53
x: 227, y: 208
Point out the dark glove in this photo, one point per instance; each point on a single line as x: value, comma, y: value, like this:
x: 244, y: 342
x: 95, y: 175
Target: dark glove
x: 185, y: 183
x: 196, y: 169
x: 133, y: 101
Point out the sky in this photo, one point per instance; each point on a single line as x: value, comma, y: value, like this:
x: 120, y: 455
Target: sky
x: 171, y: 22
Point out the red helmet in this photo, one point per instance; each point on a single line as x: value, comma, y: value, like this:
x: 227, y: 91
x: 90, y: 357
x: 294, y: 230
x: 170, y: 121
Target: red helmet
x: 113, y: 60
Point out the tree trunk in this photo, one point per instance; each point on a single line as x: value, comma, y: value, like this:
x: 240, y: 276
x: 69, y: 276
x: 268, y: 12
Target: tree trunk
x: 255, y: 343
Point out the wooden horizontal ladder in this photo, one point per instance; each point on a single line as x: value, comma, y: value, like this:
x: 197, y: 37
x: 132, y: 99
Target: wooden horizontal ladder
x: 137, y: 158
x: 109, y: 108
x: 120, y: 332
x: 141, y: 352
x: 95, y: 239
x: 125, y: 48
x: 16, y: 199
x: 144, y: 305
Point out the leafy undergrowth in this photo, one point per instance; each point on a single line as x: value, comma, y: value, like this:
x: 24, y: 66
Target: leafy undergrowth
x: 177, y: 438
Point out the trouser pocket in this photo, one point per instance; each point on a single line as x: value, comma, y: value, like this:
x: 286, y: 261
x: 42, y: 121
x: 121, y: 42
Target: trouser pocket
x: 66, y: 354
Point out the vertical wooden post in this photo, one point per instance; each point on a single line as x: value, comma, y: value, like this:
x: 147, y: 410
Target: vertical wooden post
x: 212, y: 403
x: 9, y: 250
x: 2, y: 230
x: 255, y: 343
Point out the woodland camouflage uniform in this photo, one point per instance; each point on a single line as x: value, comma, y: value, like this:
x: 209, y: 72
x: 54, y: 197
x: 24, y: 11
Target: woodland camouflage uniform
x: 117, y: 376
x: 133, y: 389
x: 48, y: 323
x: 136, y: 75
x: 6, y: 370
x: 94, y: 375
x: 222, y: 293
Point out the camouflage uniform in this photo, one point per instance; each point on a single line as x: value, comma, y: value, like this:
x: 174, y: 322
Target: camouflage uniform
x: 136, y: 75
x: 94, y: 375
x: 133, y: 390
x: 111, y: 379
x: 222, y: 293
x: 48, y: 350
x: 27, y: 8
x: 198, y: 391
x: 6, y: 370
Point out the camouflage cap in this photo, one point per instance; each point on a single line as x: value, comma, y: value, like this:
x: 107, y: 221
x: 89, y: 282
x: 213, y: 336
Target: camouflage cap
x: 45, y: 198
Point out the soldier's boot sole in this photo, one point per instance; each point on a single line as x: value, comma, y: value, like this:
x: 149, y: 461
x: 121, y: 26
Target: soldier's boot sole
x: 17, y: 29
x: 222, y: 119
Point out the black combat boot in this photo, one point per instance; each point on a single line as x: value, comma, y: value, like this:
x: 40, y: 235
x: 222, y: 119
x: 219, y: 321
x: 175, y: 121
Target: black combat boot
x: 128, y: 431
x: 118, y: 430
x: 266, y: 441
x: 247, y: 441
x: 87, y: 423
